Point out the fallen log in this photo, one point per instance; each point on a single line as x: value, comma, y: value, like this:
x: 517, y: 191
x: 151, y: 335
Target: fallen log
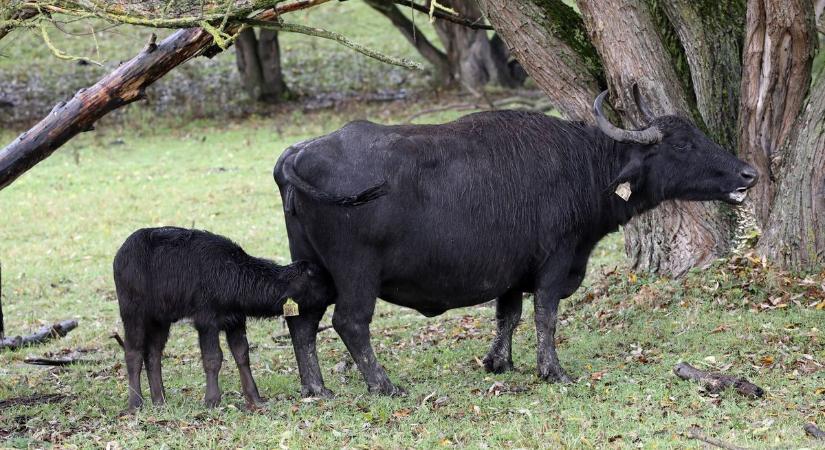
x: 812, y: 430
x: 44, y: 334
x: 715, y: 382
x: 56, y: 362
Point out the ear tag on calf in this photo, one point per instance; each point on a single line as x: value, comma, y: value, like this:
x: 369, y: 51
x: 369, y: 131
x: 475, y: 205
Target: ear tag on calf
x: 290, y: 308
x: 623, y: 190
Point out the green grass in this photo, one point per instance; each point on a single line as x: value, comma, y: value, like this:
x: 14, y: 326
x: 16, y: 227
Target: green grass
x: 62, y: 222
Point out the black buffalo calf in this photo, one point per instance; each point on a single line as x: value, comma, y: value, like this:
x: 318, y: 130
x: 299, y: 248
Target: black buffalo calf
x: 166, y: 274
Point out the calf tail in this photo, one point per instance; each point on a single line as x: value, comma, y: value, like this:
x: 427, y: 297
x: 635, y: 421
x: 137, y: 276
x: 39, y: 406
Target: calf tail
x: 365, y: 196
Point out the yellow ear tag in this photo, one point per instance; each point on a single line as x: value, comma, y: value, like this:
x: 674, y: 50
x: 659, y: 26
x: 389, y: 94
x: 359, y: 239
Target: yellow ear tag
x: 290, y: 308
x: 623, y: 190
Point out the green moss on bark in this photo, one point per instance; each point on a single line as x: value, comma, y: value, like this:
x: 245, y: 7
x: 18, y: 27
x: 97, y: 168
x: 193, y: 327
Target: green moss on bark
x: 567, y: 25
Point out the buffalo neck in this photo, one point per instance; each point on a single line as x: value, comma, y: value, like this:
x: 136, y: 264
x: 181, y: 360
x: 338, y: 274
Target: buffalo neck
x: 610, y: 157
x: 259, y: 286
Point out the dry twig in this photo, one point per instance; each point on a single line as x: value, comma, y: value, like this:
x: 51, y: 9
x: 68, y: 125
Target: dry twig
x: 717, y: 382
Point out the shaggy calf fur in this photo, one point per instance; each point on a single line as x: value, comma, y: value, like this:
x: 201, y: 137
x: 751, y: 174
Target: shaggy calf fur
x: 166, y: 274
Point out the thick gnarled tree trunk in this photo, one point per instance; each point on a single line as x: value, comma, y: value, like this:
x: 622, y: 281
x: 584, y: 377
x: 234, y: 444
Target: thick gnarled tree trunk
x: 794, y: 236
x: 564, y: 64
x: 777, y: 60
x: 711, y: 33
x: 259, y: 63
x: 676, y: 236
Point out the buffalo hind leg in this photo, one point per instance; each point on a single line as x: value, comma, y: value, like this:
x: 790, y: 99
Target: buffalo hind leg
x: 212, y: 359
x: 155, y: 341
x: 354, y: 308
x: 134, y: 345
x: 303, y: 329
x: 547, y: 307
x: 508, y: 314
x: 238, y: 344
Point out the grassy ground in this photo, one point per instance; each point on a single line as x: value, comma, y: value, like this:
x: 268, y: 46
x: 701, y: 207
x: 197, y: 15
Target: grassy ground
x: 62, y: 222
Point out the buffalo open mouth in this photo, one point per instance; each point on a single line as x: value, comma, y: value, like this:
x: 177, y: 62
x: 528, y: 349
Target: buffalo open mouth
x: 738, y: 196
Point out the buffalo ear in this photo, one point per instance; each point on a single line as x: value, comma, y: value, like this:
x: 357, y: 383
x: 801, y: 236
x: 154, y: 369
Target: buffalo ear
x: 631, y: 173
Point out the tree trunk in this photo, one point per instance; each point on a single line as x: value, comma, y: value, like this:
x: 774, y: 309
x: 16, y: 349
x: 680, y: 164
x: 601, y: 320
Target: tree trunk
x: 441, y: 66
x: 471, y: 56
x: 794, y: 237
x: 561, y: 60
x: 779, y: 47
x: 259, y: 63
x: 712, y: 33
x: 676, y: 236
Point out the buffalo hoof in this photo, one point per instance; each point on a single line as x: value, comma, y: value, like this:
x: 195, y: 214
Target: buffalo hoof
x: 316, y: 391
x: 496, y: 364
x: 555, y: 375
x: 212, y: 402
x: 256, y: 405
x: 387, y: 389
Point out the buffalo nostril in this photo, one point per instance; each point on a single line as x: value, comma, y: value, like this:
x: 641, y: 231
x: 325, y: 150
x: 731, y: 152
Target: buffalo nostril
x: 750, y: 175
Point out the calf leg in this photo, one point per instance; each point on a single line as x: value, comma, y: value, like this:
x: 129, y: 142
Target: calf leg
x: 546, y: 307
x: 212, y: 359
x: 236, y: 338
x: 134, y: 335
x: 354, y: 308
x: 303, y: 329
x: 155, y: 339
x: 508, y: 313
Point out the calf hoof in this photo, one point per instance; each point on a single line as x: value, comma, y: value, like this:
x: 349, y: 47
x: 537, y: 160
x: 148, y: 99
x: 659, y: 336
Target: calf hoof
x: 555, y: 375
x: 387, y: 389
x: 316, y: 391
x: 258, y: 405
x: 212, y: 402
x: 496, y: 364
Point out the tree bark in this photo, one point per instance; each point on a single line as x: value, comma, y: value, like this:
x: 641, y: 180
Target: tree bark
x: 794, y: 237
x: 562, y: 61
x: 437, y: 58
x: 712, y: 34
x: 779, y: 48
x: 259, y: 63
x: 471, y: 56
x: 676, y: 236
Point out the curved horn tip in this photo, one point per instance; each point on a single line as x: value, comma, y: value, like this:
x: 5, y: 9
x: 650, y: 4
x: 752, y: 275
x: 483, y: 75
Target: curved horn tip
x: 597, y: 104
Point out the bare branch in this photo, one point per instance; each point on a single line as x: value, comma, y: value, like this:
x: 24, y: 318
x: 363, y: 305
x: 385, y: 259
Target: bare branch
x: 343, y: 40
x: 476, y: 25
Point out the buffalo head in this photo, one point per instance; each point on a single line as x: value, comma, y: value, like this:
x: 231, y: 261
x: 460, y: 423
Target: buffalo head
x: 674, y: 159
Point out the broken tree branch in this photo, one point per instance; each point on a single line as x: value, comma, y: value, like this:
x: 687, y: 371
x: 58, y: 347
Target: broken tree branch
x: 715, y: 383
x: 475, y: 25
x: 124, y: 85
x: 696, y: 433
x: 812, y: 430
x: 44, y: 334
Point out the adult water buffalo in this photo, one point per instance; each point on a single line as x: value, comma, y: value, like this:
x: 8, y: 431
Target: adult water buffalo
x: 495, y: 204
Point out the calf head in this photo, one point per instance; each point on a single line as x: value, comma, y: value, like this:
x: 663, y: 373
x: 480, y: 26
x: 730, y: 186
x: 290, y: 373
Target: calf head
x: 311, y: 286
x: 673, y: 159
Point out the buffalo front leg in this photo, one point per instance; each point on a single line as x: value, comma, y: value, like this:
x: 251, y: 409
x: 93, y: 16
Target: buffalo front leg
x: 239, y: 346
x: 547, y: 307
x: 212, y: 360
x: 303, y: 330
x: 508, y: 313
